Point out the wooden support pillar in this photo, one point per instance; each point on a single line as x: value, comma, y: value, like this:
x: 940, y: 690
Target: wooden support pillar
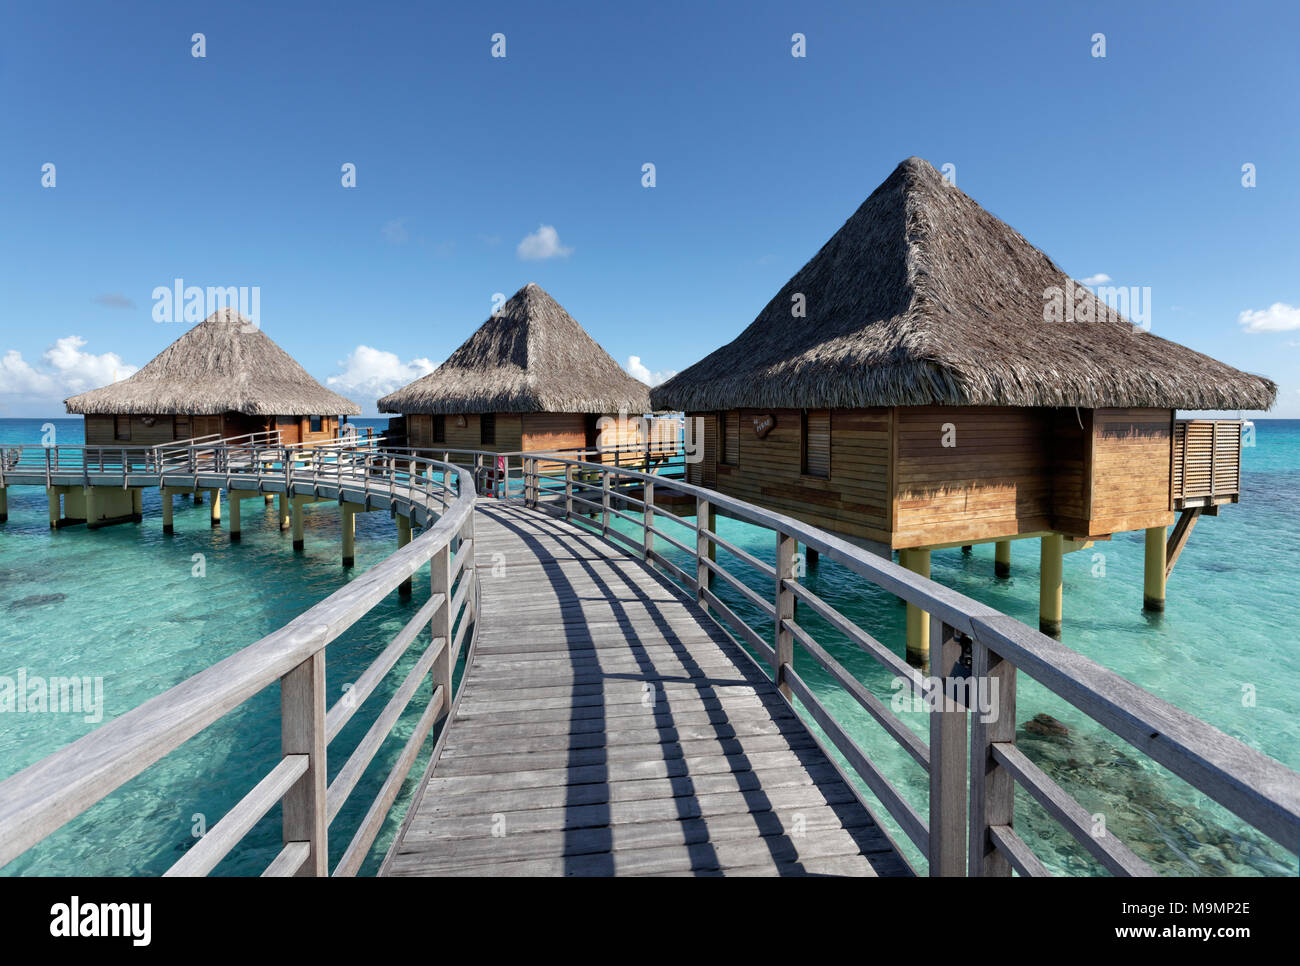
x: 137, y: 504
x: 1153, y: 588
x: 235, y: 525
x: 296, y: 504
x: 92, y: 517
x: 269, y: 498
x: 348, y: 522
x: 403, y: 538
x: 4, y: 504
x: 1051, y: 584
x: 53, y: 494
x: 1002, y: 558
x: 197, y: 496
x: 216, y: 506
x: 165, y: 494
x: 918, y: 620
x: 282, y: 503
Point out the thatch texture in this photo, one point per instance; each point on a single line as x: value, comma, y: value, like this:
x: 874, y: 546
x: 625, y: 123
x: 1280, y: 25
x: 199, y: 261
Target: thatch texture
x: 923, y: 297
x: 223, y: 364
x: 530, y: 357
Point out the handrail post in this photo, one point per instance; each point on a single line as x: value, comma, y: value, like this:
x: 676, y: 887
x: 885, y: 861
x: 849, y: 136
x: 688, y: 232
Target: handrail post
x: 302, y: 723
x: 647, y: 521
x: 604, y: 502
x: 992, y: 787
x: 783, y: 643
x: 701, y: 550
x: 440, y: 626
x: 948, y: 790
x: 568, y: 491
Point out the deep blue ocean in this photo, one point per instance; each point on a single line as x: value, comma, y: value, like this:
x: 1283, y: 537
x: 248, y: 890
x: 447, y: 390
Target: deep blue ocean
x: 121, y: 603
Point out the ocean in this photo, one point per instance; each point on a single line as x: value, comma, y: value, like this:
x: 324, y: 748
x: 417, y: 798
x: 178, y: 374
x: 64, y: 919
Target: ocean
x: 123, y: 604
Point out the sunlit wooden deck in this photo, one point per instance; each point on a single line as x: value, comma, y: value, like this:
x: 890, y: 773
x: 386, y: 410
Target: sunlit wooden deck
x: 608, y: 726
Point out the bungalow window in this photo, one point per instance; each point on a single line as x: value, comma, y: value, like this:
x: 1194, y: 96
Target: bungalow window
x: 122, y: 428
x: 729, y: 430
x: 487, y: 429
x: 315, y: 424
x: 815, y: 434
x: 440, y: 429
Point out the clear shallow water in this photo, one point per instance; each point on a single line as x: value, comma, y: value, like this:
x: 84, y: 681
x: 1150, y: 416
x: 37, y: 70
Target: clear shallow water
x: 131, y: 612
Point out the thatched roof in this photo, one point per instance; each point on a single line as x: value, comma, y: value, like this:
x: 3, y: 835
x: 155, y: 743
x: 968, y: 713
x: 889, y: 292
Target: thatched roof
x: 923, y: 297
x: 223, y: 364
x: 530, y: 357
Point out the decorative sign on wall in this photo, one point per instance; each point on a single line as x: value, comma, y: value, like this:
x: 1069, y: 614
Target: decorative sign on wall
x: 460, y: 421
x: 764, y: 425
x: 148, y: 420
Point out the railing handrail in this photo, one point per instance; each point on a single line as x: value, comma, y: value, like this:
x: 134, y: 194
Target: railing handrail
x: 1258, y: 789
x: 47, y: 794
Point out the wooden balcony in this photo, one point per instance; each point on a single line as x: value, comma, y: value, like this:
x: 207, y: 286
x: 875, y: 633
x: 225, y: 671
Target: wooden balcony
x: 1206, y: 466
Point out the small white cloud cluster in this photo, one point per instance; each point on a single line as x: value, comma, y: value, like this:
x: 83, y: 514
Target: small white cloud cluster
x: 637, y: 370
x: 369, y: 373
x: 1278, y: 317
x: 543, y: 243
x: 65, y: 371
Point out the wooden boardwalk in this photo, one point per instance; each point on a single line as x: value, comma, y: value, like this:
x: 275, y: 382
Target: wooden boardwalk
x: 608, y: 726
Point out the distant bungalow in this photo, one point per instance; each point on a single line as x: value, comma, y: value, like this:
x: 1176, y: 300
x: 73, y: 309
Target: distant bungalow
x: 530, y: 379
x: 223, y: 376
x: 905, y: 390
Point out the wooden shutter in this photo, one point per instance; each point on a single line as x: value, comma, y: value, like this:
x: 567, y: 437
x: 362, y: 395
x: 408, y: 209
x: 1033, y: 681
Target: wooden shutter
x: 817, y: 443
x: 731, y: 438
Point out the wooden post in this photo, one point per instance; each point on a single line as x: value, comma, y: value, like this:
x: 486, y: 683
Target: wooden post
x: 197, y: 496
x: 992, y: 787
x: 947, y: 852
x: 440, y: 625
x: 786, y: 547
x: 966, y: 550
x: 647, y: 520
x: 282, y: 504
x: 269, y: 498
x: 568, y: 491
x: 216, y: 507
x: 296, y: 504
x: 302, y: 724
x: 4, y: 504
x: 348, y: 522
x: 703, y: 549
x: 165, y: 494
x: 52, y: 492
x: 1050, y: 584
x: 403, y: 538
x: 137, y: 504
x: 604, y: 504
x: 1153, y: 590
x: 1002, y: 558
x: 92, y: 517
x: 918, y: 620
x: 235, y: 525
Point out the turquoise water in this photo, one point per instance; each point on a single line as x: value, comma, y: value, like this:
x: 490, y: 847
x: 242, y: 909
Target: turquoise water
x: 121, y: 603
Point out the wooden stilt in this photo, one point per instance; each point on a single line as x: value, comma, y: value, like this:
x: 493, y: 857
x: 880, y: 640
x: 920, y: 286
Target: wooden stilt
x: 1153, y: 590
x: 1050, y: 588
x: 166, y: 494
x: 403, y: 538
x: 4, y: 504
x: 92, y: 517
x: 269, y: 498
x: 1002, y: 558
x: 197, y: 496
x: 53, y: 494
x: 137, y: 505
x: 296, y: 505
x: 348, y: 522
x: 216, y: 507
x: 235, y: 525
x: 282, y: 501
x: 966, y: 550
x: 918, y: 620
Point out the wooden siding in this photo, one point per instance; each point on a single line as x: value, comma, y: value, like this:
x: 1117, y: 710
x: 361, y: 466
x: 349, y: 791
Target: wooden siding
x: 729, y: 424
x: 1206, y: 465
x: 1130, y: 473
x: 994, y: 480
x: 703, y: 472
x: 1072, y: 453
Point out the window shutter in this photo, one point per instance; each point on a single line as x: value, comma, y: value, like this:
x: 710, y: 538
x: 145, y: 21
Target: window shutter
x: 817, y: 443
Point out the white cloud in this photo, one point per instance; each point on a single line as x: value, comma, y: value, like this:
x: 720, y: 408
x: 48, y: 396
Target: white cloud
x: 637, y: 370
x: 65, y: 371
x: 1101, y: 278
x: 1278, y: 317
x: 543, y: 243
x: 370, y: 373
x: 395, y: 231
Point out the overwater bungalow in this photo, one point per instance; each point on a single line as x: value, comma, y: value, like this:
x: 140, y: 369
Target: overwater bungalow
x: 223, y: 376
x: 530, y: 379
x: 917, y: 385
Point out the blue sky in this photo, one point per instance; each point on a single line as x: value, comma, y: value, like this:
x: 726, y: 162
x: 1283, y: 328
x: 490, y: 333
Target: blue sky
x: 225, y: 170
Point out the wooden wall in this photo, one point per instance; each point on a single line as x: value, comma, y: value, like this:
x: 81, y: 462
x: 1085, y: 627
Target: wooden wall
x: 509, y: 433
x: 101, y: 431
x: 1130, y: 469
x: 548, y: 431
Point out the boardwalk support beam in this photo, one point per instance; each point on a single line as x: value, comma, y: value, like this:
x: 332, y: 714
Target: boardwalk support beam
x: 1153, y: 589
x: 1051, y: 584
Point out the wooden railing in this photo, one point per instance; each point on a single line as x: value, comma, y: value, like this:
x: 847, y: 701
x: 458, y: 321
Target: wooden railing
x: 43, y: 797
x: 1206, y: 465
x: 972, y: 760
